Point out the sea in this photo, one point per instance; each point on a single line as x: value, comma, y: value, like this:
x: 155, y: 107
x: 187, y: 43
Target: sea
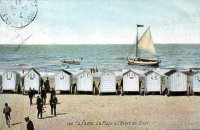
x: 46, y: 58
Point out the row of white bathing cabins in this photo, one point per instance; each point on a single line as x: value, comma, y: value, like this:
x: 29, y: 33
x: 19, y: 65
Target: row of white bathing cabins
x: 149, y: 82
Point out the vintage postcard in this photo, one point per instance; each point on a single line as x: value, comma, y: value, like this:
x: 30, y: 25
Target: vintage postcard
x: 99, y: 64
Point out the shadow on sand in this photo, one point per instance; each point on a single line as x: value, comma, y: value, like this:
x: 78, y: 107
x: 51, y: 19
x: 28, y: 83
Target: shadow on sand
x: 16, y: 123
x: 58, y: 114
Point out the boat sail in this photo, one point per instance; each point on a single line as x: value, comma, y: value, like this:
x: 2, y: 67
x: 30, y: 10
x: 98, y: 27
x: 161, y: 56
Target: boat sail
x: 145, y: 50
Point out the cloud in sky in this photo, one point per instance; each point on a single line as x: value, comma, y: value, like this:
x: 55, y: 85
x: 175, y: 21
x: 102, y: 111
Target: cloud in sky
x: 110, y: 21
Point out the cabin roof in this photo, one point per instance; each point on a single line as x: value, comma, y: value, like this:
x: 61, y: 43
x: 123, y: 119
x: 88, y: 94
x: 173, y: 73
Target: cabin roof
x: 151, y: 71
x: 15, y: 72
x: 174, y: 71
x: 130, y: 71
x: 65, y: 71
x: 191, y: 73
x: 171, y: 72
x: 34, y: 71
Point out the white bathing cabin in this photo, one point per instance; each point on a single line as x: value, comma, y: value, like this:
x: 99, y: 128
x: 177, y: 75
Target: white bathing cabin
x: 176, y: 81
x: 107, y: 83
x: 131, y: 82
x: 84, y: 82
x: 32, y: 79
x: 194, y: 78
x: 10, y: 81
x: 63, y: 81
x: 152, y: 82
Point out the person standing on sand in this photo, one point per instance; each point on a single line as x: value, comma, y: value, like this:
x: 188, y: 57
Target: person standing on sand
x: 117, y: 89
x: 97, y: 70
x: 94, y: 87
x: 46, y: 84
x: 30, y: 95
x: 33, y: 91
x: 74, y: 88
x: 29, y: 125
x: 39, y: 107
x: 44, y: 95
x: 53, y: 92
x: 53, y: 102
x: 41, y: 84
x: 7, y: 111
x: 91, y: 70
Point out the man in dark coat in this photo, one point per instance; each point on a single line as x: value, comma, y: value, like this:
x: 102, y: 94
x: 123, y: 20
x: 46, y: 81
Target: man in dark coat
x: 7, y: 111
x: 53, y: 102
x: 44, y: 95
x: 74, y: 88
x: 46, y: 84
x: 117, y: 89
x: 39, y: 107
x: 30, y: 95
x: 53, y: 92
x: 41, y: 84
x: 29, y: 125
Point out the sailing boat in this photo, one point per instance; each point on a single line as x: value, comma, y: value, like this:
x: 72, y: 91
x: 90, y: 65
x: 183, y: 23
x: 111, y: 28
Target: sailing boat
x: 144, y: 45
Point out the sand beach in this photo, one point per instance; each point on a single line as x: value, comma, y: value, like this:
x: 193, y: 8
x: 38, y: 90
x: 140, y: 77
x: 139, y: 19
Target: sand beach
x: 89, y: 112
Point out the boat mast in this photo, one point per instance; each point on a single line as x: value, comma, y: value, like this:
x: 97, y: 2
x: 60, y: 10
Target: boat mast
x: 136, y: 42
x: 137, y: 39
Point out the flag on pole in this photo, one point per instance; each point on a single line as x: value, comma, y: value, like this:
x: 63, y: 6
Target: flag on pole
x: 140, y: 25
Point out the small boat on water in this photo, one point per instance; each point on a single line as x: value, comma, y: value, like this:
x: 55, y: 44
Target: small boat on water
x: 71, y: 61
x: 144, y: 45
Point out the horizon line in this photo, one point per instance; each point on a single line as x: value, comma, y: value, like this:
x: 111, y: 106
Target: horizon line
x: 90, y: 43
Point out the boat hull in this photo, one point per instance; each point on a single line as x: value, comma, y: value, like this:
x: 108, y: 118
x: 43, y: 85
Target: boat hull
x: 143, y: 61
x: 71, y: 62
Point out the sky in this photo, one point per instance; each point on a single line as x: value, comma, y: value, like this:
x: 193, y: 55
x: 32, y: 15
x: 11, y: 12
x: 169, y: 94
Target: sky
x: 107, y: 22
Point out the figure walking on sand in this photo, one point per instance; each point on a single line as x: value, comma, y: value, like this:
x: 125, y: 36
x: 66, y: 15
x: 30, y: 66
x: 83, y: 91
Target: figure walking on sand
x: 29, y: 124
x: 53, y: 102
x: 7, y: 111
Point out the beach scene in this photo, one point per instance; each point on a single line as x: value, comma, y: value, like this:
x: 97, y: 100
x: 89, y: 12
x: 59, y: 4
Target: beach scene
x: 99, y: 65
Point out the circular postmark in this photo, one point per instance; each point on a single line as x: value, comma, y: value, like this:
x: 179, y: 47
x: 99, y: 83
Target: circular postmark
x: 18, y: 13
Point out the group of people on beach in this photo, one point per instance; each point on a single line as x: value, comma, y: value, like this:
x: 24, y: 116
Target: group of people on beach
x: 7, y: 110
x: 94, y: 70
x: 44, y: 88
x: 40, y: 102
